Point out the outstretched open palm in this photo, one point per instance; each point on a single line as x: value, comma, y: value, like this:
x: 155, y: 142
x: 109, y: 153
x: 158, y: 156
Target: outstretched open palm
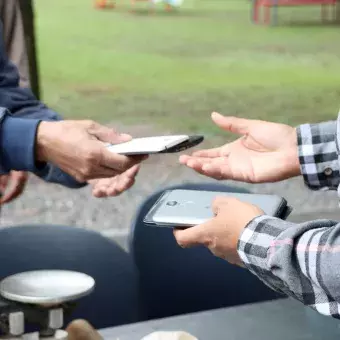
x: 265, y: 152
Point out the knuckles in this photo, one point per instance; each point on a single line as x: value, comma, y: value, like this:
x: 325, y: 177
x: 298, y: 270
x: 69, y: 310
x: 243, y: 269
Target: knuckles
x: 21, y: 176
x: 90, y: 124
x: 92, y: 158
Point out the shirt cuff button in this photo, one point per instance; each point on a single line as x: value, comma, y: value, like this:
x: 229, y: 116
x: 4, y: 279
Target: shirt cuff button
x: 328, y: 171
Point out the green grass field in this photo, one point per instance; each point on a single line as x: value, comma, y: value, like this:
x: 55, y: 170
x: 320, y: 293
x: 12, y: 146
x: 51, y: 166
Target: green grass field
x: 173, y: 69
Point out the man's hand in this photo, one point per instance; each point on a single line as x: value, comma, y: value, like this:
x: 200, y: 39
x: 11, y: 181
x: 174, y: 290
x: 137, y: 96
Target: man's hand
x: 114, y: 186
x: 221, y: 233
x: 12, y: 186
x: 77, y: 148
x: 266, y: 152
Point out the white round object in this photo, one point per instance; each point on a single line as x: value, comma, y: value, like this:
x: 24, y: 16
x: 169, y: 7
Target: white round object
x: 59, y: 335
x: 169, y: 335
x: 46, y: 287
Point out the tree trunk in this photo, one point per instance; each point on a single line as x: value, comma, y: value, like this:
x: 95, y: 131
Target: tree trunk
x: 337, y: 12
x: 27, y: 10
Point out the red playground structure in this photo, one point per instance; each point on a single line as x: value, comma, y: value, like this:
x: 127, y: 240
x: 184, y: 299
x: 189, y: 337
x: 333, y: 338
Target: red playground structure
x: 269, y: 6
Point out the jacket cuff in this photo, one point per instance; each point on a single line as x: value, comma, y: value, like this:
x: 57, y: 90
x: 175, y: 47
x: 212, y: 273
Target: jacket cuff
x: 18, y: 137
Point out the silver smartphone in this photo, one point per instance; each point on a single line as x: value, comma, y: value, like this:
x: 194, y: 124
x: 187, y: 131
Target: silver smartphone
x: 156, y: 145
x: 186, y: 208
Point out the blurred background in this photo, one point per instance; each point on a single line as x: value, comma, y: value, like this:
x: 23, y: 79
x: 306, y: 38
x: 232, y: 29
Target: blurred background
x: 156, y: 69
x: 205, y: 55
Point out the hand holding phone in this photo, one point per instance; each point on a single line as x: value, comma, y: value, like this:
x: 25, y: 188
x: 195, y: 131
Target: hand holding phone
x: 186, y: 208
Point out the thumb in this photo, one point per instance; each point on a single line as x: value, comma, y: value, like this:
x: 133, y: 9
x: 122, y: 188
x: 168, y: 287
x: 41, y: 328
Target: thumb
x: 120, y: 138
x: 192, y: 236
x: 108, y: 135
x: 4, y: 179
x: 237, y: 125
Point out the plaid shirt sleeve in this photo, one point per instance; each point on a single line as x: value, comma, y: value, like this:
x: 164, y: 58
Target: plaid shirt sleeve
x: 299, y: 260
x: 302, y: 260
x: 318, y: 155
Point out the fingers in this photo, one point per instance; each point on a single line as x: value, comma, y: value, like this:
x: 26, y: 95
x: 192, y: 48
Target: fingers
x: 123, y: 185
x: 11, y: 194
x: 132, y: 172
x: 193, y: 236
x: 196, y: 162
x: 218, y: 171
x: 113, y: 187
x: 118, y: 162
x: 106, y: 134
x: 98, y: 162
x: 233, y: 124
x: 110, y: 187
x: 124, y: 182
x: 101, y: 186
x: 216, y: 153
x: 4, y: 179
x: 15, y: 188
x: 193, y: 162
x: 210, y: 153
x: 217, y: 168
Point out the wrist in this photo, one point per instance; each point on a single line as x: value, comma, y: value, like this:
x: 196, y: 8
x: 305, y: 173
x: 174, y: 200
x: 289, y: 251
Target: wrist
x: 296, y: 166
x: 291, y: 161
x: 249, y: 216
x: 42, y: 141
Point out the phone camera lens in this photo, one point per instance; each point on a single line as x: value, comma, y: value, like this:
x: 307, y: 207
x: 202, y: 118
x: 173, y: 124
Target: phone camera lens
x: 171, y: 203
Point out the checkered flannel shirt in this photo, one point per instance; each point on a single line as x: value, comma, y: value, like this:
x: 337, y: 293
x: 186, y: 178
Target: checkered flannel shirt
x: 302, y: 260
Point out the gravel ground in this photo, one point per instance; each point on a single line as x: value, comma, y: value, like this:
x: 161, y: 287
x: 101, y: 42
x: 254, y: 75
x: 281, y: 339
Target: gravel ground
x: 53, y: 204
x: 49, y: 203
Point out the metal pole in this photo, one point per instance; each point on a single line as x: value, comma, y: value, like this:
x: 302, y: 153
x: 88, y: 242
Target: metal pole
x: 337, y: 12
x: 27, y: 10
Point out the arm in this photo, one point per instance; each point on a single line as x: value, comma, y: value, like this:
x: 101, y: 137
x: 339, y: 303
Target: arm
x: 18, y: 142
x: 300, y: 260
x: 18, y: 135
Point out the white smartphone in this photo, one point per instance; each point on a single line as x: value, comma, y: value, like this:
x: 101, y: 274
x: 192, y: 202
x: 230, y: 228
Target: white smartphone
x: 186, y: 208
x: 156, y: 144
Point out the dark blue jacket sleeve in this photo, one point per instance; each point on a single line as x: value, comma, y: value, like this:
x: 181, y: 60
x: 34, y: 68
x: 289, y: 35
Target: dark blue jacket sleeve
x: 20, y: 114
